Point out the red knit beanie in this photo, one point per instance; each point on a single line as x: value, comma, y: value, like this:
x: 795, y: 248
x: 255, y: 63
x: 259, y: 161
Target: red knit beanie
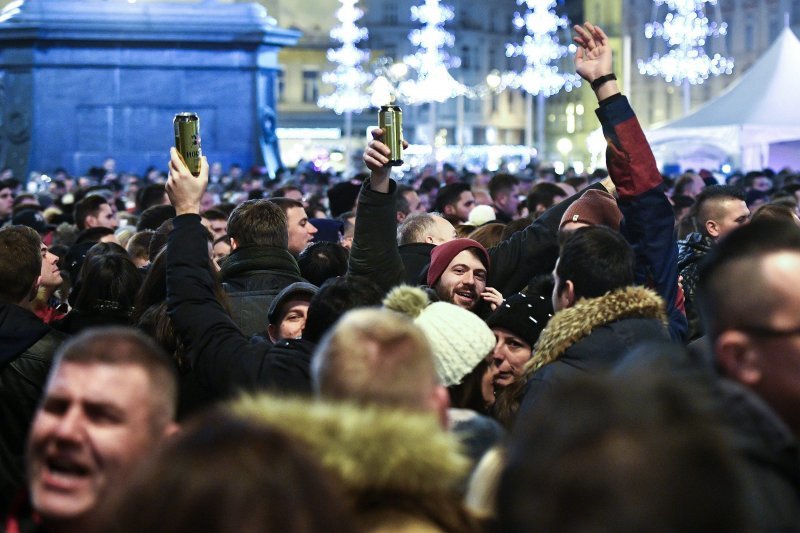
x: 442, y: 255
x: 594, y: 207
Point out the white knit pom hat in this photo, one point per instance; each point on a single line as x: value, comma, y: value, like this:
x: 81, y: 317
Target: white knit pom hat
x: 459, y: 339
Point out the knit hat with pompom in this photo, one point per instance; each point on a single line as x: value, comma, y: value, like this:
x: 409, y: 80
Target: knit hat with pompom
x: 459, y: 339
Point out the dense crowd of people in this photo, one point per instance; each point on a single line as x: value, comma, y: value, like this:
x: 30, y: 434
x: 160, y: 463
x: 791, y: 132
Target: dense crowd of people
x: 449, y: 351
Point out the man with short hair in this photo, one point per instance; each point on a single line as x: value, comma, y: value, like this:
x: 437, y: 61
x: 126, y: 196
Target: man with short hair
x: 94, y: 211
x: 504, y: 190
x: 458, y: 274
x: 454, y: 202
x: 301, y: 231
x: 600, y: 314
x: 259, y: 265
x: 110, y: 400
x: 417, y: 236
x: 27, y: 346
x: 216, y: 221
x: 718, y: 210
x: 749, y: 298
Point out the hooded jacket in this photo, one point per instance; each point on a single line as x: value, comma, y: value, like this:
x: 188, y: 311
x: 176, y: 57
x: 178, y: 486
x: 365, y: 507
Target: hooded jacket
x: 591, y: 337
x: 27, y: 347
x: 252, y: 276
x: 401, y: 470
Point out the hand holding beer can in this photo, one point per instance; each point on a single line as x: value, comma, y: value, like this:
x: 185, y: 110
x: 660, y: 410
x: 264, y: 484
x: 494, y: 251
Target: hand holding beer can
x: 390, y: 120
x: 187, y: 140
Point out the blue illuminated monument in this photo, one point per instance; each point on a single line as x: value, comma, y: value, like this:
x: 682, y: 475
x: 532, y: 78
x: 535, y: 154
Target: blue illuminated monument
x: 82, y: 80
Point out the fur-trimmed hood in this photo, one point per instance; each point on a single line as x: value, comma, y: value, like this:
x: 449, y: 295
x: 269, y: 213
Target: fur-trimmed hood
x: 368, y: 448
x: 570, y: 325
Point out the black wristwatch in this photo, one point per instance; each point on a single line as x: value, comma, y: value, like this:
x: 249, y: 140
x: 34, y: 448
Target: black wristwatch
x: 597, y: 83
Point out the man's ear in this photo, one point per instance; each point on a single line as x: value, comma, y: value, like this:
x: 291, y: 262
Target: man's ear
x: 567, y: 295
x: 400, y: 217
x: 738, y: 358
x: 449, y: 209
x: 712, y: 228
x: 234, y: 244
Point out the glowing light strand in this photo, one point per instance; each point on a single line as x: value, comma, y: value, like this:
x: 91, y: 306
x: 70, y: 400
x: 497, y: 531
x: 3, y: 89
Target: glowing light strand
x: 348, y: 78
x: 540, y: 48
x: 433, y: 82
x: 685, y: 29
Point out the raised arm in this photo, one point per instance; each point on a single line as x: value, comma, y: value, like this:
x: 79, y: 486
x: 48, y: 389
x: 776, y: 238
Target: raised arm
x: 374, y: 253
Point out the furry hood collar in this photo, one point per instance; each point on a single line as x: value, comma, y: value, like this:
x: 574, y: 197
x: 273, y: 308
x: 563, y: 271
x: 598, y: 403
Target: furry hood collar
x: 569, y: 326
x: 368, y: 448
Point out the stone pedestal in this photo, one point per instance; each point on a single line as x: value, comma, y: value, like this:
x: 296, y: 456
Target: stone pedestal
x: 82, y: 80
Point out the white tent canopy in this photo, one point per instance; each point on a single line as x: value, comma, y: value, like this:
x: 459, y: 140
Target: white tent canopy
x: 758, y: 110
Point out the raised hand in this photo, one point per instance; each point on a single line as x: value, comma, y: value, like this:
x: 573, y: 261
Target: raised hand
x: 185, y: 190
x: 593, y: 58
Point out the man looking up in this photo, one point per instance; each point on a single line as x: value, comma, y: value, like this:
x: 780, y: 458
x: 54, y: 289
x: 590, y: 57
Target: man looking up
x: 27, y: 346
x: 110, y: 400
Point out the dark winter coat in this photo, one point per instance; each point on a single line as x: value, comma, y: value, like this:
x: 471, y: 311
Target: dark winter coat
x: 252, y: 276
x: 416, y: 257
x: 27, y: 347
x: 225, y: 359
x: 591, y: 337
x: 690, y: 251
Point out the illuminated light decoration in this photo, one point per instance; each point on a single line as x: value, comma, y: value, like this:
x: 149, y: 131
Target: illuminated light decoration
x: 348, y: 78
x: 433, y: 81
x: 685, y: 29
x: 540, y: 48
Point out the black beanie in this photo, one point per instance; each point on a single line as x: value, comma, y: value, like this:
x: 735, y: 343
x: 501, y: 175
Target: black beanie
x: 523, y: 315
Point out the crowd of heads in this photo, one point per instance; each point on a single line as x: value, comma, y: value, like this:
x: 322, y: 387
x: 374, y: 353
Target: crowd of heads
x: 104, y: 451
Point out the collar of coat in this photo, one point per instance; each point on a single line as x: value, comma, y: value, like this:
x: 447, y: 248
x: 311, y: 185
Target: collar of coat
x: 250, y: 258
x: 369, y: 448
x: 570, y: 325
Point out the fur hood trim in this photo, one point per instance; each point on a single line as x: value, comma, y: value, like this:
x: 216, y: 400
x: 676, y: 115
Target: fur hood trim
x: 369, y: 448
x: 569, y: 326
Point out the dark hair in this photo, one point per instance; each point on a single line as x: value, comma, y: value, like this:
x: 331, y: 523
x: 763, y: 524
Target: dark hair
x: 259, y: 222
x: 109, y: 283
x: 776, y: 212
x: 632, y: 455
x: 401, y: 202
x: 214, y: 214
x: 88, y: 206
x: 703, y: 209
x: 597, y: 260
x: 335, y: 297
x: 321, y: 261
x: 154, y: 216
x: 543, y: 194
x: 730, y: 286
x: 21, y: 263
x: 449, y: 194
x: 93, y: 234
x: 502, y: 183
x: 489, y: 234
x: 224, y: 473
x: 150, y: 195
x: 286, y: 203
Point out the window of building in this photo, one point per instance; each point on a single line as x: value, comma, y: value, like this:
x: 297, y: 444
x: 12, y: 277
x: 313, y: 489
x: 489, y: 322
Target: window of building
x: 310, y: 86
x: 466, y: 60
x: 389, y: 12
x: 749, y: 37
x: 280, y: 86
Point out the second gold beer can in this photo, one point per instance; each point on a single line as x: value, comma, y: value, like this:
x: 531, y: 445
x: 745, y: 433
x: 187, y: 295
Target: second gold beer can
x: 187, y: 140
x: 390, y: 120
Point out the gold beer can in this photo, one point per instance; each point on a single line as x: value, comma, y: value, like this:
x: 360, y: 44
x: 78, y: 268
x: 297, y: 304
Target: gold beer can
x: 390, y: 120
x: 187, y: 140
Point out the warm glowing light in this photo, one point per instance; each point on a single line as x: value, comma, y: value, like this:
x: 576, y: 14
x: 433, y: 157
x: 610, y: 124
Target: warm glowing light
x: 540, y: 48
x: 433, y: 82
x: 685, y: 29
x: 348, y: 78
